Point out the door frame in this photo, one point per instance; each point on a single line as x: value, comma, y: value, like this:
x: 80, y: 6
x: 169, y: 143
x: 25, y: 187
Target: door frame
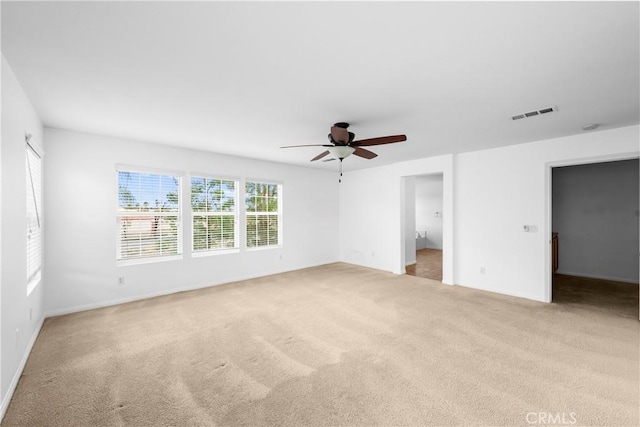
x: 548, y: 289
x: 436, y: 165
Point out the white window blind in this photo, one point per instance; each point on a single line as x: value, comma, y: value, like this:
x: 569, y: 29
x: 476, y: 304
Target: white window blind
x: 262, y: 205
x: 148, y: 215
x: 34, y: 215
x: 213, y: 203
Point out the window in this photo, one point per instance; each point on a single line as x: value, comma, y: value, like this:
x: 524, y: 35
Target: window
x: 213, y: 202
x: 262, y: 204
x: 34, y: 217
x: 148, y: 215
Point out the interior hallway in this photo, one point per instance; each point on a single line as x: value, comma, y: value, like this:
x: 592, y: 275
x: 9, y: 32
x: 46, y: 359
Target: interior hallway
x: 617, y: 298
x: 428, y: 264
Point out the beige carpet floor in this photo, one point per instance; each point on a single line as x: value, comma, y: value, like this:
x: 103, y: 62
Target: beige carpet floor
x: 332, y: 345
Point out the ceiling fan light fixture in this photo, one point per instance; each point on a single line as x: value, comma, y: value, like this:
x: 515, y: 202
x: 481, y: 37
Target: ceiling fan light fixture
x: 341, y: 151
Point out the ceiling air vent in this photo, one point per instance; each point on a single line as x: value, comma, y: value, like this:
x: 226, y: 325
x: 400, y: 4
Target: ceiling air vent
x: 534, y: 113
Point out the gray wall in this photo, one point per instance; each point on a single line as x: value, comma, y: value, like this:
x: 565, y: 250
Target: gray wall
x: 595, y: 212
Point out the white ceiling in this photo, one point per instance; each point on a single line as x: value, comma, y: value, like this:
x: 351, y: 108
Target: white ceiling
x: 247, y: 78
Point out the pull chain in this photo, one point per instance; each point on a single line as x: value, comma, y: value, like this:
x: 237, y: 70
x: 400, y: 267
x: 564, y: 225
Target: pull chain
x: 340, y: 179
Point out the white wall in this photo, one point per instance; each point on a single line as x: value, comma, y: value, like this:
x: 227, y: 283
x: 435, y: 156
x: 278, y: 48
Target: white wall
x: 428, y: 203
x: 410, y: 220
x: 499, y: 191
x: 373, y: 214
x: 488, y: 196
x: 18, y: 118
x: 366, y: 212
x: 81, y: 269
x: 595, y: 212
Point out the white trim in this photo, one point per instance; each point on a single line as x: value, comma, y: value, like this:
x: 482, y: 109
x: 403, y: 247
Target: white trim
x: 263, y: 181
x: 448, y: 202
x: 212, y: 175
x: 503, y: 292
x: 149, y: 170
x: 213, y: 252
x: 241, y: 278
x: 147, y: 260
x: 279, y: 214
x: 235, y: 213
x: 548, y: 225
x: 16, y: 378
x: 178, y: 213
x: 262, y: 248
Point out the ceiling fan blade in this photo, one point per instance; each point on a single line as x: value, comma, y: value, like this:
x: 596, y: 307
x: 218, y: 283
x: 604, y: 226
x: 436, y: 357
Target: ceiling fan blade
x: 361, y: 152
x: 308, y: 145
x: 340, y: 135
x: 329, y: 160
x: 381, y: 140
x: 319, y: 156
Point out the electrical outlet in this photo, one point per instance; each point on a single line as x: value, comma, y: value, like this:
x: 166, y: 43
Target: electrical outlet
x: 481, y: 270
x: 121, y: 280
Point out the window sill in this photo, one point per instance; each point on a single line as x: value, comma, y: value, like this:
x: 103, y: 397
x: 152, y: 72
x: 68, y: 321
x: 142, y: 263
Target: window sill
x: 150, y: 260
x: 263, y: 248
x: 214, y: 252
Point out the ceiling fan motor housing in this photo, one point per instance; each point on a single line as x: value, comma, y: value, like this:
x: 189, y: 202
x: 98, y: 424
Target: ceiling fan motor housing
x: 352, y: 136
x: 343, y: 144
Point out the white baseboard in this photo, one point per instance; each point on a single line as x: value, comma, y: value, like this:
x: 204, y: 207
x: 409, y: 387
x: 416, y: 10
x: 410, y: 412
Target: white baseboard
x: 503, y: 292
x: 92, y: 306
x: 598, y: 276
x: 16, y: 378
x: 118, y: 301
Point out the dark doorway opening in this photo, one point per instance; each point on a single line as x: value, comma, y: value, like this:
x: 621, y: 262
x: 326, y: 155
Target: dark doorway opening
x: 596, y: 217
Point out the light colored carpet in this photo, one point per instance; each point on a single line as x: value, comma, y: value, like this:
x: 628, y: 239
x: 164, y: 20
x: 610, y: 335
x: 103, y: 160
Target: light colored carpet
x: 332, y: 345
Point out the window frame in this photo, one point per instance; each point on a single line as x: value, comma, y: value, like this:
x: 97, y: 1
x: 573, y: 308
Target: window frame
x: 33, y: 279
x: 248, y: 213
x: 178, y: 213
x: 235, y: 213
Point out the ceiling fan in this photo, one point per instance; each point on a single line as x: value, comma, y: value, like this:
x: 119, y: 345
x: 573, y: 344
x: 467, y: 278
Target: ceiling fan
x: 342, y: 144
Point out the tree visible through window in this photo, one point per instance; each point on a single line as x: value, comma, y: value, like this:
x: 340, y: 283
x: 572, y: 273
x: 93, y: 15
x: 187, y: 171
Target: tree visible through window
x: 213, y: 202
x: 262, y: 204
x: 148, y: 215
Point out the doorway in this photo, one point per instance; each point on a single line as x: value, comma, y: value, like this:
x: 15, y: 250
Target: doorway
x: 424, y: 258
x: 594, y: 211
